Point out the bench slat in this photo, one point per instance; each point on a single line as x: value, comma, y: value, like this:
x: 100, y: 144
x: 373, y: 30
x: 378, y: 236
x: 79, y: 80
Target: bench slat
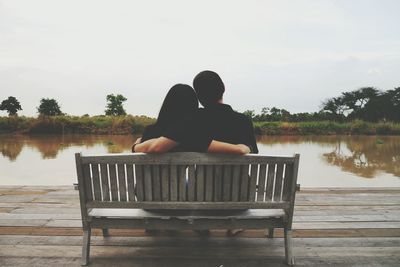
x: 159, y: 205
x: 253, y: 182
x: 209, y: 183
x: 278, y: 182
x: 244, y: 182
x: 139, y: 182
x: 185, y: 158
x: 270, y: 182
x: 195, y: 224
x: 96, y: 181
x: 173, y: 179
x: 191, y: 183
x: 122, y: 182
x: 235, y: 182
x: 182, y: 182
x: 200, y: 172
x: 287, y: 182
x: 130, y: 182
x: 147, y: 180
x: 113, y: 182
x: 156, y: 182
x: 227, y: 183
x: 261, y: 182
x: 188, y: 214
x: 218, y: 180
x: 165, y: 182
x: 88, y: 182
x: 104, y: 182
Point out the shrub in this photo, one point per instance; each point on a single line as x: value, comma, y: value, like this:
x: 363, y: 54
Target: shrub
x: 360, y: 127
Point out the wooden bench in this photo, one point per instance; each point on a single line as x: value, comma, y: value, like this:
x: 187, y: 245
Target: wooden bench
x: 184, y: 190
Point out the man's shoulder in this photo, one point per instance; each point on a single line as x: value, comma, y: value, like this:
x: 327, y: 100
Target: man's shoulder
x: 241, y: 117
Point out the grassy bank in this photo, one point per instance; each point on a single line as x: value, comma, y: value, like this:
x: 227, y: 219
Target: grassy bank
x: 135, y: 125
x: 74, y: 124
x: 356, y: 127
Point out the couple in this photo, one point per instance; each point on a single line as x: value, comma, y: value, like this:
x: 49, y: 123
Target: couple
x: 183, y: 126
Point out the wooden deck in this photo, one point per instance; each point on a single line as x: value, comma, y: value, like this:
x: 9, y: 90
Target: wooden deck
x: 40, y: 226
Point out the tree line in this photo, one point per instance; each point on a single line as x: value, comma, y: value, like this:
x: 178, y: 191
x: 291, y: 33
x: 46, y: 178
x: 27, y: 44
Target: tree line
x: 50, y: 106
x: 366, y: 103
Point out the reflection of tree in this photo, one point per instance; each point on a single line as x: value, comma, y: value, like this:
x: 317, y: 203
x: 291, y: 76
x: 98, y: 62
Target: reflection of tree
x: 10, y: 148
x: 326, y: 140
x: 361, y: 155
x: 50, y: 145
x: 365, y: 156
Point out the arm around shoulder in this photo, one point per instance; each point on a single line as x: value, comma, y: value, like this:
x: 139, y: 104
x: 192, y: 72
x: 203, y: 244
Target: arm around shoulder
x: 222, y: 147
x: 156, y: 145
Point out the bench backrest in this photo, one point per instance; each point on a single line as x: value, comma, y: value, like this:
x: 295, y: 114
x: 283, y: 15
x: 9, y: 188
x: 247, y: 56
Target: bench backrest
x: 187, y: 181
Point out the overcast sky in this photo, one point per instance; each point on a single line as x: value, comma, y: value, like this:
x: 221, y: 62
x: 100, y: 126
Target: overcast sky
x: 289, y: 54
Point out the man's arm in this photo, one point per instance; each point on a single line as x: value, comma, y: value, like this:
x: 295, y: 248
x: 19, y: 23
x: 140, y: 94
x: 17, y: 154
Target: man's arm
x: 227, y: 148
x: 156, y: 145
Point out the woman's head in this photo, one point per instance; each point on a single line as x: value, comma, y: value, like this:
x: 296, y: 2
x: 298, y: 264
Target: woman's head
x: 180, y: 102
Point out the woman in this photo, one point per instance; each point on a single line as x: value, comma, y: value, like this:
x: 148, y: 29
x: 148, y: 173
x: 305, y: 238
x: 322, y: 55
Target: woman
x: 179, y: 107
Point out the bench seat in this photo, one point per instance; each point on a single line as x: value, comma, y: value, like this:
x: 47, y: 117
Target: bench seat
x: 187, y: 214
x: 186, y: 220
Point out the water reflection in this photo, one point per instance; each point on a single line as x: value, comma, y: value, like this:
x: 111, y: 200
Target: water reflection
x: 10, y: 149
x: 366, y: 157
x: 363, y: 156
x: 49, y: 146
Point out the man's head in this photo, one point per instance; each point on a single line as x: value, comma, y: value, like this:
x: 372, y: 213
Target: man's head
x: 209, y: 87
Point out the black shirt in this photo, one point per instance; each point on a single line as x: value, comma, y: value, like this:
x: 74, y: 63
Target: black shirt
x: 229, y: 126
x: 218, y: 122
x: 188, y: 142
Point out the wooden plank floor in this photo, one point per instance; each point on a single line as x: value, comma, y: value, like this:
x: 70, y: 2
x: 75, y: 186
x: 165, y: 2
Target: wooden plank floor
x: 40, y: 226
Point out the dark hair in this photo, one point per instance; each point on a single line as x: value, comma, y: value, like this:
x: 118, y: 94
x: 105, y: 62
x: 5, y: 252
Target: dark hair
x: 180, y: 102
x: 209, y: 87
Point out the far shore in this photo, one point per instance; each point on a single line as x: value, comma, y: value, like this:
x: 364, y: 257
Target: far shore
x: 122, y: 125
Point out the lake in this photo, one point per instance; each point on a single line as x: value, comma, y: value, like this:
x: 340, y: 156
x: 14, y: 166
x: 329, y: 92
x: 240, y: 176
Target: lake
x: 325, y: 161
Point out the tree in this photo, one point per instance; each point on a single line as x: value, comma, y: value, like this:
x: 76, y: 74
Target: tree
x: 335, y: 107
x: 357, y: 100
x: 249, y: 113
x: 114, y: 105
x: 12, y: 105
x: 394, y: 96
x: 49, y: 107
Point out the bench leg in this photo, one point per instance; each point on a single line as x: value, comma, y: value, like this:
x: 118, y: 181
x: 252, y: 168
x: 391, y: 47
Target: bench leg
x: 271, y: 233
x: 86, y: 246
x: 105, y: 232
x: 288, y: 246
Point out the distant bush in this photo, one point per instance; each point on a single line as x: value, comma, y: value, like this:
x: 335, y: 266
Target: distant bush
x: 356, y: 127
x: 75, y: 124
x: 387, y: 128
x: 15, y: 124
x: 135, y: 125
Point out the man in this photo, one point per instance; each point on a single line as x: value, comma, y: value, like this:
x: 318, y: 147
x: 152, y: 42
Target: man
x: 216, y: 121
x: 224, y: 124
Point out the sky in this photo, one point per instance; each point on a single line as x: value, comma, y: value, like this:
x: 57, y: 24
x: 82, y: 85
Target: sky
x: 283, y: 53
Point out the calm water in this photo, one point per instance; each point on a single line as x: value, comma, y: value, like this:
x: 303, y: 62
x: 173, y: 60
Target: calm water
x: 325, y: 161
